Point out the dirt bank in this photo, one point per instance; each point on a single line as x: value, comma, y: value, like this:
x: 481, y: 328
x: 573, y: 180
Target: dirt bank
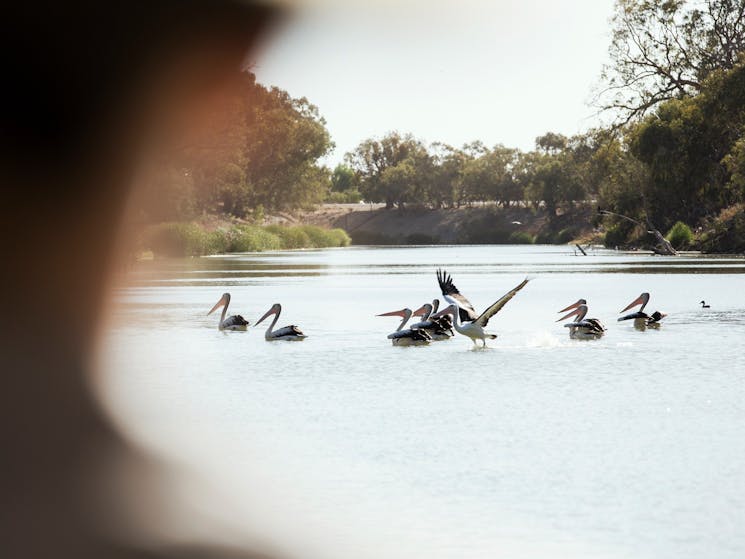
x: 373, y: 224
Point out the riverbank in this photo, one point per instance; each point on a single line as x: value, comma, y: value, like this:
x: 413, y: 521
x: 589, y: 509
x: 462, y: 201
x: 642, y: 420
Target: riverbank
x: 482, y: 224
x: 211, y: 235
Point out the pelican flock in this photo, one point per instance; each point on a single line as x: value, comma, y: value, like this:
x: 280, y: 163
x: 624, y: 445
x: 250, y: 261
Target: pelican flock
x: 436, y: 326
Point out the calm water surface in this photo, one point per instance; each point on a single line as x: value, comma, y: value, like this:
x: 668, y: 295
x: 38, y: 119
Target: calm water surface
x: 539, y: 446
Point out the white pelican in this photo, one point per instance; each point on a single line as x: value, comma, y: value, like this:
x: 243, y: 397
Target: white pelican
x: 451, y: 294
x: 475, y: 329
x: 642, y: 320
x: 582, y: 328
x: 438, y: 328
x: 288, y: 333
x: 235, y: 322
x: 704, y: 305
x: 409, y: 336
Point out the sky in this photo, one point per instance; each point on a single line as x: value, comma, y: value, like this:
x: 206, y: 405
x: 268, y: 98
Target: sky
x: 502, y: 72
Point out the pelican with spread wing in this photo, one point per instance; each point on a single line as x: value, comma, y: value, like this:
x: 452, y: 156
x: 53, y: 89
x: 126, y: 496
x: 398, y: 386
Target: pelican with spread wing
x: 451, y: 294
x: 475, y: 328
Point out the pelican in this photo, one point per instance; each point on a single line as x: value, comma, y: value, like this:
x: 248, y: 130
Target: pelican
x: 642, y: 320
x: 438, y: 328
x: 451, y: 294
x: 582, y: 328
x: 704, y: 305
x: 289, y: 333
x: 475, y: 329
x: 235, y: 322
x: 407, y: 337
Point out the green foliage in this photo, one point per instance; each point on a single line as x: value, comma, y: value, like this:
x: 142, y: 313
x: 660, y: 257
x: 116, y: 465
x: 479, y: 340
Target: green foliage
x: 344, y: 178
x: 290, y: 237
x: 725, y: 233
x: 351, y: 196
x: 520, y: 238
x: 175, y: 239
x: 680, y: 235
x: 565, y: 236
x: 338, y: 238
x: 218, y: 241
x: 250, y: 238
x: 254, y: 146
x: 544, y: 237
x: 617, y: 235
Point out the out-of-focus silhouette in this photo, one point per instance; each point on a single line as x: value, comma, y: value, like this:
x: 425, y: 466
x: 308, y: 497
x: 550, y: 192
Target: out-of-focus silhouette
x: 88, y: 88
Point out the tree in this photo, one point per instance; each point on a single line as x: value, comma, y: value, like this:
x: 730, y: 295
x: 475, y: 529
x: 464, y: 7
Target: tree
x: 663, y: 50
x: 373, y: 159
x: 343, y: 178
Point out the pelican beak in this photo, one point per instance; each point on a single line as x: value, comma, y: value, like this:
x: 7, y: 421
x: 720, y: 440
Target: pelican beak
x: 401, y: 313
x: 219, y: 304
x: 420, y: 311
x: 573, y: 313
x: 572, y: 306
x: 638, y: 301
x: 268, y: 313
x: 447, y: 310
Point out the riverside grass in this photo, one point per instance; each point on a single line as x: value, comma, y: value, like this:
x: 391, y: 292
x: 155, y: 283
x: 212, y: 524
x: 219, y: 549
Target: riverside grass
x: 175, y: 239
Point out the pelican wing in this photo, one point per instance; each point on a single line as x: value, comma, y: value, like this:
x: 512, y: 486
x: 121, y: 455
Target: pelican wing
x: 233, y: 321
x: 451, y: 294
x: 291, y: 330
x: 483, y: 320
x: 416, y: 335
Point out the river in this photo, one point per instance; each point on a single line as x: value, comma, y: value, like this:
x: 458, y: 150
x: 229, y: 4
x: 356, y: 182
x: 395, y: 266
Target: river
x: 538, y: 446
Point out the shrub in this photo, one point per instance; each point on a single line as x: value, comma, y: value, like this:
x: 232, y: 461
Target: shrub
x: 218, y: 241
x: 322, y: 238
x: 544, y: 238
x: 176, y: 239
x: 249, y: 238
x: 680, y: 235
x: 726, y: 232
x: 319, y: 238
x: 521, y: 238
x: 290, y: 237
x: 616, y: 235
x: 339, y: 238
x: 351, y: 196
x: 565, y: 236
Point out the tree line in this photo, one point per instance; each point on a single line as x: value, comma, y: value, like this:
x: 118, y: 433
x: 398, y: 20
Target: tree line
x: 673, y: 152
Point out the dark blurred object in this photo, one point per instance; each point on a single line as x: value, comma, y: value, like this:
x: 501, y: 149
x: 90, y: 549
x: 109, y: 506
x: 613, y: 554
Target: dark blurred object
x: 87, y: 87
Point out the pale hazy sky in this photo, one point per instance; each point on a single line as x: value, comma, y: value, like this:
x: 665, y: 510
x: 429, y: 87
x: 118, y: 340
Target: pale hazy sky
x: 500, y: 71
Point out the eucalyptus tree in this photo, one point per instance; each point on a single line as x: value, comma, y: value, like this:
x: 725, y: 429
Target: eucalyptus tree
x: 663, y: 50
x: 388, y: 167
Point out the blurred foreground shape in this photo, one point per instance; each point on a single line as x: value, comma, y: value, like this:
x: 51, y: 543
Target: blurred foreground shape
x: 88, y: 87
